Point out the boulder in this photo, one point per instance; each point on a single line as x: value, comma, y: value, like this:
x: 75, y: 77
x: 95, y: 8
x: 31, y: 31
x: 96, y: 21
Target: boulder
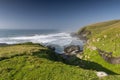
x: 51, y: 47
x: 101, y: 74
x: 72, y: 50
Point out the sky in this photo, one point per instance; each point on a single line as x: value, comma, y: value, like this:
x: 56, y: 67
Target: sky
x: 56, y: 14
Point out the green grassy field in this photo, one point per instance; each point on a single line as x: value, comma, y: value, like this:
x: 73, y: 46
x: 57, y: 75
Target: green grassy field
x: 105, y: 36
x: 35, y: 62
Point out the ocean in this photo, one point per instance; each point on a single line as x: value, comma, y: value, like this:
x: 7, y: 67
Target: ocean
x: 46, y: 37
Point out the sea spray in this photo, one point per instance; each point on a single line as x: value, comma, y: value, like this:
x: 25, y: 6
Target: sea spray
x: 58, y: 40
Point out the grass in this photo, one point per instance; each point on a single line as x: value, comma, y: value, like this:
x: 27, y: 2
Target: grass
x: 14, y: 50
x: 37, y: 63
x: 34, y: 68
x: 105, y: 36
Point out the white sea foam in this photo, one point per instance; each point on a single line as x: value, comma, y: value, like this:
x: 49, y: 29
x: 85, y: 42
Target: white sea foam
x: 59, y: 40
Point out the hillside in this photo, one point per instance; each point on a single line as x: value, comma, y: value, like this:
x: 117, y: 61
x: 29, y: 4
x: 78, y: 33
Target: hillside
x: 104, y: 36
x: 34, y: 62
x: 30, y: 61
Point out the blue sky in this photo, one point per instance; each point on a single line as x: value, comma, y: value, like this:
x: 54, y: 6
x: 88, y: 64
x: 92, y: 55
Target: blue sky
x: 56, y: 14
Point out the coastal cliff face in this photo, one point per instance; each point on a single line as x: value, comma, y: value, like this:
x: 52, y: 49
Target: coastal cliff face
x: 95, y: 29
x: 104, y: 36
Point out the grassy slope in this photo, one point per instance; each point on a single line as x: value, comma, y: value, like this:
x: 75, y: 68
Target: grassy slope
x: 106, y: 36
x: 35, y: 62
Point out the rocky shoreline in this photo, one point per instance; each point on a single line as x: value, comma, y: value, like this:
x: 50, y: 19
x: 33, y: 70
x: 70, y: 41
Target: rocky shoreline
x: 107, y: 56
x: 81, y: 36
x: 74, y: 50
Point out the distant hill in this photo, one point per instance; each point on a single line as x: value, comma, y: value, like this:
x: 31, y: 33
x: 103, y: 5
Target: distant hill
x: 105, y: 36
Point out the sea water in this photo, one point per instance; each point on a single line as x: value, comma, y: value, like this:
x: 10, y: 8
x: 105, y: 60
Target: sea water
x: 53, y: 38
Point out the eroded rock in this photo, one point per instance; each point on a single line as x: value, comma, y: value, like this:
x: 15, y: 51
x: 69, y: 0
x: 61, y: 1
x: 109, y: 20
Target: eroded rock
x: 107, y: 56
x: 51, y: 47
x: 72, y: 50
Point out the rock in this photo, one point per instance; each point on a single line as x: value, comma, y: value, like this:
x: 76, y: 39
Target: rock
x: 101, y: 74
x: 107, y: 56
x: 51, y: 47
x: 72, y: 50
x: 93, y: 48
x: 79, y: 55
x: 73, y: 35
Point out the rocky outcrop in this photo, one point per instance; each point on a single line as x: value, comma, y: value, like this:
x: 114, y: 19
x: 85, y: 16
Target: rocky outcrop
x: 84, y: 33
x: 51, y: 47
x: 107, y: 56
x: 72, y: 50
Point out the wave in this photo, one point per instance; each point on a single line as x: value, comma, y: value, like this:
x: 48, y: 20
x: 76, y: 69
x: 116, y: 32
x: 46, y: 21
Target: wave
x: 58, y: 40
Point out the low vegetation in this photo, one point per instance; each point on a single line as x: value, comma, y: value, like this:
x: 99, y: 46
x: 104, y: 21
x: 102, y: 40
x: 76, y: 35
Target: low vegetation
x: 30, y: 61
x: 35, y: 62
x: 105, y: 36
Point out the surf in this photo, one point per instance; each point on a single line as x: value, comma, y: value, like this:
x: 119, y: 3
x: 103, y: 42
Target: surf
x: 57, y: 40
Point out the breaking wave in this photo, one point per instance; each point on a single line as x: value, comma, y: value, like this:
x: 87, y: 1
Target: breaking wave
x: 58, y: 40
